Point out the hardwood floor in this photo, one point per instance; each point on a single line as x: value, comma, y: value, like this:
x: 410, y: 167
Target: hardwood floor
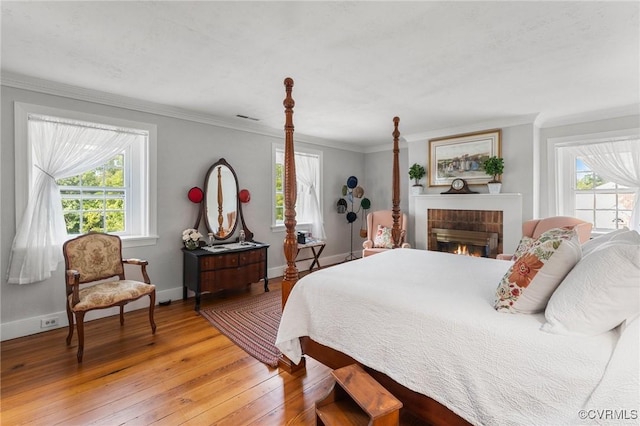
x: 187, y: 373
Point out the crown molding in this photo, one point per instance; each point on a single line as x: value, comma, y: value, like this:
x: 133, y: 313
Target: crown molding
x: 539, y: 120
x: 24, y: 82
x: 544, y: 121
x: 402, y: 144
x: 489, y: 124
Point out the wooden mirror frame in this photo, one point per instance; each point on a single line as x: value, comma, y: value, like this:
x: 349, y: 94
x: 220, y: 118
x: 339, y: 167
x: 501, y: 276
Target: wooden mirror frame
x: 217, y: 203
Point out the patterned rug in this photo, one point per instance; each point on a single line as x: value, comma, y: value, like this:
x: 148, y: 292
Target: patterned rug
x: 251, y: 323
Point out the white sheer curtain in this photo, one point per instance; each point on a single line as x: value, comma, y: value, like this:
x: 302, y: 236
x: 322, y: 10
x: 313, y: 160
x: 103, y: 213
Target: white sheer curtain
x: 59, y: 149
x: 616, y: 161
x: 307, y: 174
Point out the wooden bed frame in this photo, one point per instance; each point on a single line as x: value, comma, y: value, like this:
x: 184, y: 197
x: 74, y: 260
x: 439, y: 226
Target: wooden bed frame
x: 422, y: 406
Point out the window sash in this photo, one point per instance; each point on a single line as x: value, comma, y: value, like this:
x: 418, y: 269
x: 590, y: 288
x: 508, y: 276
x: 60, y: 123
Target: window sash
x: 102, y: 193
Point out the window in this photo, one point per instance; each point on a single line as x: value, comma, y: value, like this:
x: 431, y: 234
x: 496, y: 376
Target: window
x: 119, y: 196
x: 96, y: 200
x: 278, y: 213
x: 55, y: 145
x: 308, y: 182
x: 607, y: 205
x: 596, y: 178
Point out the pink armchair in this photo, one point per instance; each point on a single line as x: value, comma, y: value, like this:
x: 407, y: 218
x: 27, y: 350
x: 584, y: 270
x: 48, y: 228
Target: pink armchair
x: 536, y: 227
x: 384, y: 218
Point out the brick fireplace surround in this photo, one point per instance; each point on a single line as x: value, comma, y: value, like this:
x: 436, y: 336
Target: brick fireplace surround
x: 462, y: 209
x: 464, y: 220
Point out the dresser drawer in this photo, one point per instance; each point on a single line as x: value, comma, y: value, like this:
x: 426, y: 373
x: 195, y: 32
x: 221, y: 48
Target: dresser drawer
x: 223, y: 279
x: 254, y: 272
x: 254, y: 256
x: 217, y: 262
x: 231, y: 278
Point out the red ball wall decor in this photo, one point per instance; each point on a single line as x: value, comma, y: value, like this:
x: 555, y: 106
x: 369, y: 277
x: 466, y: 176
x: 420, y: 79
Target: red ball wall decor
x: 244, y: 195
x: 195, y: 195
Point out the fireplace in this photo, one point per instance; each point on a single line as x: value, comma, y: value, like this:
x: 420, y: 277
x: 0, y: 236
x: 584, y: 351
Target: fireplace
x: 479, y: 231
x: 499, y: 213
x: 468, y: 243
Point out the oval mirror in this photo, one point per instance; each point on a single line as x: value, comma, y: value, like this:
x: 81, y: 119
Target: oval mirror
x: 221, y: 200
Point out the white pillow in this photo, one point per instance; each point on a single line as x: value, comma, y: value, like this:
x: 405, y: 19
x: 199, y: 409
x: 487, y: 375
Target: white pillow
x: 619, y: 384
x: 619, y: 235
x: 599, y: 293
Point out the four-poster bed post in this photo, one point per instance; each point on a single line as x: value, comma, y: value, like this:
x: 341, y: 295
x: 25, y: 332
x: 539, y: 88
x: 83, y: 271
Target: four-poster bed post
x: 290, y: 195
x: 395, y: 209
x: 421, y: 405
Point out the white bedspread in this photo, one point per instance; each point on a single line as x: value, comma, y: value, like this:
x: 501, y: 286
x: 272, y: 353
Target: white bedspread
x: 426, y: 320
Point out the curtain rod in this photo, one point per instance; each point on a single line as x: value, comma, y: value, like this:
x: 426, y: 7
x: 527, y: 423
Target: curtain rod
x: 85, y: 124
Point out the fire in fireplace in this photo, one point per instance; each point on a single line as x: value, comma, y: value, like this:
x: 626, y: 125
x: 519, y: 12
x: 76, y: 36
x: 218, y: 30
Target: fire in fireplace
x: 468, y: 243
x: 463, y: 250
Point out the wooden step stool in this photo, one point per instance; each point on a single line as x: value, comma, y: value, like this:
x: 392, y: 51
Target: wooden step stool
x: 357, y: 399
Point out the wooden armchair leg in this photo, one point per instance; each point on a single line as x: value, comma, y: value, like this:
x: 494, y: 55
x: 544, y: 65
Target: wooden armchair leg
x: 152, y: 306
x: 80, y: 325
x: 121, y: 315
x: 70, y: 319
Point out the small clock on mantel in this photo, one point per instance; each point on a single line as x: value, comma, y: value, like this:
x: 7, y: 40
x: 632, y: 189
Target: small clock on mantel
x: 459, y: 186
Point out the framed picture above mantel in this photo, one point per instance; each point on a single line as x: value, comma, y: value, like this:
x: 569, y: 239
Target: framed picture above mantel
x: 461, y: 156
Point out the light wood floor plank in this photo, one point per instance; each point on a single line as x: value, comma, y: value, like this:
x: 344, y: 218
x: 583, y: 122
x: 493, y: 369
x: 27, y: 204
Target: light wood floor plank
x: 188, y: 373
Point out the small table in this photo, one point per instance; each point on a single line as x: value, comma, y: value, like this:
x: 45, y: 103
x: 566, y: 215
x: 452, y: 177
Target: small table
x: 313, y: 245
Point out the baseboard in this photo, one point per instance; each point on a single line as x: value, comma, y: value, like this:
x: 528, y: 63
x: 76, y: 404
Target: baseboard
x: 304, y: 265
x: 29, y: 326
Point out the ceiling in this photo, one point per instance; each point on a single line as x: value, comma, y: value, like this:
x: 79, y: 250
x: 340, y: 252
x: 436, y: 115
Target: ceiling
x: 356, y: 65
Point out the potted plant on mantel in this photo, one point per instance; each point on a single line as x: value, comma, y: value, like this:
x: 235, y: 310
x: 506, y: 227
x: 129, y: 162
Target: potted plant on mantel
x: 494, y: 166
x: 416, y: 172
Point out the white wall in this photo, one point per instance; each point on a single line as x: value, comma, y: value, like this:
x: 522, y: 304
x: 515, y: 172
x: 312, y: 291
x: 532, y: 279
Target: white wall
x: 186, y: 149
x: 524, y: 148
x: 517, y: 151
x: 378, y: 178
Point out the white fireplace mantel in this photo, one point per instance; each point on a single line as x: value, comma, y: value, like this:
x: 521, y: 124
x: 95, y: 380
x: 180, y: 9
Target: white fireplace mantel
x: 509, y: 204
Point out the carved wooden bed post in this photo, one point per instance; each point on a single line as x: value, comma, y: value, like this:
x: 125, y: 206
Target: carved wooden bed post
x: 290, y: 195
x: 395, y: 210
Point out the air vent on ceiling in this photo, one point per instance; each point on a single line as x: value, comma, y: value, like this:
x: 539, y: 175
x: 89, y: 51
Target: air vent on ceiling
x: 246, y: 117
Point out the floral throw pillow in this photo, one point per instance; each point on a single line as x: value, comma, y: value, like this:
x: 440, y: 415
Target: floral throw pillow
x: 529, y: 283
x: 523, y: 246
x: 383, y: 238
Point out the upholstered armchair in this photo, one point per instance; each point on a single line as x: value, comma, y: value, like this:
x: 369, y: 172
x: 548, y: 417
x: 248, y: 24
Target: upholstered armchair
x: 380, y: 239
x: 97, y: 257
x: 536, y: 227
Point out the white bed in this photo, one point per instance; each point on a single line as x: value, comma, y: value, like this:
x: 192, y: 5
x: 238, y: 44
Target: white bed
x: 434, y: 330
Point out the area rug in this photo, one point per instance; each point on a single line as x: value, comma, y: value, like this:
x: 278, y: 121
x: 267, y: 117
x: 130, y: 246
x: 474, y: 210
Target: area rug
x: 251, y: 323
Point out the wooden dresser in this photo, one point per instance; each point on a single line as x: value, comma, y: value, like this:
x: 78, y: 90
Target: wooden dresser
x: 228, y: 266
